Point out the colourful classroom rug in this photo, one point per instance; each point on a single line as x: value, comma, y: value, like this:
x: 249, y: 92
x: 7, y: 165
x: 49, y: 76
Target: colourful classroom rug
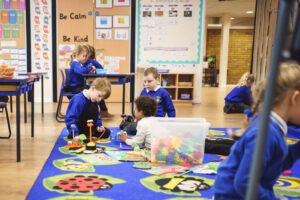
x: 69, y: 176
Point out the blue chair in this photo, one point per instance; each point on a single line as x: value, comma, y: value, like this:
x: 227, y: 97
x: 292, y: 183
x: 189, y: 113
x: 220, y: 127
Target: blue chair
x: 65, y: 81
x: 3, y: 106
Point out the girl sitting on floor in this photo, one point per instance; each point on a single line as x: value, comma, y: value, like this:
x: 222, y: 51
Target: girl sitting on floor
x: 240, y: 98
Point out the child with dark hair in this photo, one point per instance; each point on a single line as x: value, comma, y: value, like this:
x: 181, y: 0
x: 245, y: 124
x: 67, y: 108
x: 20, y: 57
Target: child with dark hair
x: 84, y: 106
x: 240, y: 97
x: 234, y: 172
x: 145, y: 107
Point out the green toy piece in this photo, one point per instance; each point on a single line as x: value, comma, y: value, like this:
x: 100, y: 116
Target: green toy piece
x: 82, y: 137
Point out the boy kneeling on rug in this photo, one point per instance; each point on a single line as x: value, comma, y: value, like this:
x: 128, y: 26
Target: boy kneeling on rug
x: 84, y: 106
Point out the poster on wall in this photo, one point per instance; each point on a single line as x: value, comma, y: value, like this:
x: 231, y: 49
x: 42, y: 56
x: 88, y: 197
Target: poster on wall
x: 41, y: 43
x: 121, y: 21
x: 121, y: 2
x: 121, y: 34
x: 103, y: 34
x: 103, y: 21
x: 103, y: 3
x: 161, y: 30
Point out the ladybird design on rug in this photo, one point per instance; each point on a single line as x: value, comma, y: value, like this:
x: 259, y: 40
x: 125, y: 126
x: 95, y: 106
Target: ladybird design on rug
x: 80, y: 183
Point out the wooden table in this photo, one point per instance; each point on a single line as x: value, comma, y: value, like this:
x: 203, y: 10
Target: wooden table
x: 17, y: 86
x: 115, y: 79
x: 37, y: 76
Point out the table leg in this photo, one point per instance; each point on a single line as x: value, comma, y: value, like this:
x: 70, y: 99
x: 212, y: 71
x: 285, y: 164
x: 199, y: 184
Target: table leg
x: 25, y: 108
x: 42, y: 86
x: 32, y: 111
x: 11, y: 107
x: 123, y: 98
x: 18, y: 124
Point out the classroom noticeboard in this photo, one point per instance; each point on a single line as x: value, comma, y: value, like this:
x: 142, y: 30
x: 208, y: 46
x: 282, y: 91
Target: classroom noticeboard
x: 172, y: 29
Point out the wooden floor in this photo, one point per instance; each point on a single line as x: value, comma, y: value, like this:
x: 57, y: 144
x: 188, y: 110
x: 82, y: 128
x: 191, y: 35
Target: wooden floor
x: 18, y: 178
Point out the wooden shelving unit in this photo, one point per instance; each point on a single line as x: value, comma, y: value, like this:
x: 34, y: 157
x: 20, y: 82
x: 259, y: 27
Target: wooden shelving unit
x: 180, y: 86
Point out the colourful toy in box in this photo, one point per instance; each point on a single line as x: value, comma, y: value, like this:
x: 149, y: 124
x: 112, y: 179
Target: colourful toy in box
x: 178, y: 140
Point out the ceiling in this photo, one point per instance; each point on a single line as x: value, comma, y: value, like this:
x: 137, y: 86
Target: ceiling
x: 235, y: 8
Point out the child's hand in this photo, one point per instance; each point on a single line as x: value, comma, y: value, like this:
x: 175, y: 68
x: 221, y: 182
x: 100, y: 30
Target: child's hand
x: 76, y: 139
x: 100, y: 129
x: 123, y: 137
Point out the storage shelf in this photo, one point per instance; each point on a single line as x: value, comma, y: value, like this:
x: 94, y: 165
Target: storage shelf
x: 179, y: 86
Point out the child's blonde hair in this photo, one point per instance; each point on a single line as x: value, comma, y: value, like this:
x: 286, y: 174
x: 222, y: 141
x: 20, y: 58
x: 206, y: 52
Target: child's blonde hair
x: 245, y: 78
x: 153, y: 71
x: 91, y: 51
x: 103, y: 85
x: 79, y: 49
x: 288, y: 79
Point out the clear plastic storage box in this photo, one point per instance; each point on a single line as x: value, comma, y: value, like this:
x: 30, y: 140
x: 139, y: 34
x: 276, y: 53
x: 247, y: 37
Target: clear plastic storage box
x: 178, y: 140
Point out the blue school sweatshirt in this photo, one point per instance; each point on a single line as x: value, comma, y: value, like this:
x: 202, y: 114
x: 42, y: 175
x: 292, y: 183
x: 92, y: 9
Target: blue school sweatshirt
x: 240, y: 94
x: 78, y: 104
x: 91, y: 62
x: 164, y: 101
x: 233, y: 173
x: 75, y: 76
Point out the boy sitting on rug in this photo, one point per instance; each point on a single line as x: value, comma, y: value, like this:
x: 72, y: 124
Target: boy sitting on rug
x: 145, y: 107
x: 83, y: 106
x: 162, y: 96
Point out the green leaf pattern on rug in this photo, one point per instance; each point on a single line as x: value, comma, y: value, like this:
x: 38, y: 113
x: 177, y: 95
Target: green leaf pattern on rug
x: 98, y: 159
x: 73, y: 164
x: 69, y: 197
x: 142, y: 165
x: 80, y: 183
x: 287, y: 186
x: 170, y: 182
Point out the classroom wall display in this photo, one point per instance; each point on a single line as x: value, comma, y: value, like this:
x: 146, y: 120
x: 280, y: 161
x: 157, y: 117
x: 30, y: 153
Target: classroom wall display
x: 103, y: 34
x: 93, y: 25
x: 12, y: 34
x: 121, y: 34
x: 172, y: 29
x: 103, y: 21
x: 121, y: 2
x: 121, y: 21
x: 103, y: 3
x: 41, y: 43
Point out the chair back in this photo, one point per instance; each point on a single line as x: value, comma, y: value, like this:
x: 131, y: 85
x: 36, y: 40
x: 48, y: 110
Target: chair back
x: 67, y: 73
x: 62, y: 81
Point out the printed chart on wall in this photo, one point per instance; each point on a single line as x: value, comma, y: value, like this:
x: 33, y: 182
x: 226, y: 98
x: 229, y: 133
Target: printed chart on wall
x: 169, y: 28
x: 12, y: 34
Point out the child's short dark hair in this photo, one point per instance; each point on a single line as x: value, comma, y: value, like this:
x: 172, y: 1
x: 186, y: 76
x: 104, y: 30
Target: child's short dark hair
x: 153, y: 71
x: 146, y: 104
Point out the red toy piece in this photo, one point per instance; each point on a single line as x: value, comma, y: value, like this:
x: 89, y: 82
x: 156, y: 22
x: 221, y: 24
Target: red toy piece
x: 288, y: 172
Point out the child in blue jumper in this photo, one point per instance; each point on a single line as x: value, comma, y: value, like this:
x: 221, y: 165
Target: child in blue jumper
x: 162, y: 97
x: 91, y: 55
x: 233, y: 173
x: 78, y: 57
x: 84, y: 106
x: 240, y: 97
x: 92, y: 62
